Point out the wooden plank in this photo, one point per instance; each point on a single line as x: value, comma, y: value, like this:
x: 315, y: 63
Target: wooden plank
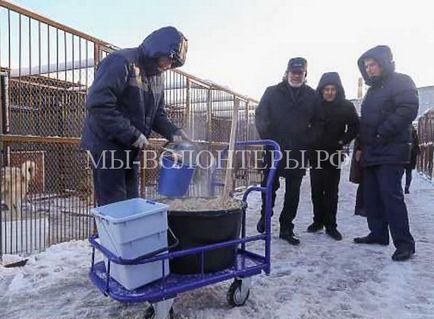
x: 11, y: 138
x: 230, y: 159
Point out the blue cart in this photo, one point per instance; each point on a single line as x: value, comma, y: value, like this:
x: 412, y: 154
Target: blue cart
x: 161, y: 293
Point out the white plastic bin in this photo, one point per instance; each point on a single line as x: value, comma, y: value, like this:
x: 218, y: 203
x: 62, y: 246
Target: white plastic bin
x: 129, y: 229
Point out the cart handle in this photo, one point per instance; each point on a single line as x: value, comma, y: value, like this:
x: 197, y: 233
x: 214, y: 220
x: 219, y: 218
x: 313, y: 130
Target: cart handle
x: 138, y: 260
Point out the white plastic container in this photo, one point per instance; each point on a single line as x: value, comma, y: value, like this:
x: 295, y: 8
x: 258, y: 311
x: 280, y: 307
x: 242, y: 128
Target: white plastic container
x: 130, y: 229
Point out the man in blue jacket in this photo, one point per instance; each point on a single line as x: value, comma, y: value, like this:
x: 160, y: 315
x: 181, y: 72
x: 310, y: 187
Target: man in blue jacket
x: 124, y: 103
x: 388, y: 109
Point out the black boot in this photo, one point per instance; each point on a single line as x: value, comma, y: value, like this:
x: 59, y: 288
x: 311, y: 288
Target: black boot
x: 260, y: 226
x: 289, y: 236
x: 334, y: 233
x: 402, y: 254
x: 370, y: 240
x: 314, y: 227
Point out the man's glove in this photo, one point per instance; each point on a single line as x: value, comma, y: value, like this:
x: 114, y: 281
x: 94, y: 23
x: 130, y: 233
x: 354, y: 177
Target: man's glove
x: 180, y: 136
x: 141, y: 142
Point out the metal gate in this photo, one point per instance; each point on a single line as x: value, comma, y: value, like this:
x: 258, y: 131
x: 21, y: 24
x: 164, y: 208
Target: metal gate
x: 425, y: 127
x: 46, y: 69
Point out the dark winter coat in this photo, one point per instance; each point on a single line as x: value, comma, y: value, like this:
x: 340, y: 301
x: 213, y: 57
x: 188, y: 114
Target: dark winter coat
x: 293, y: 118
x: 126, y: 98
x: 415, y: 149
x: 341, y: 119
x: 388, y: 109
x: 355, y: 168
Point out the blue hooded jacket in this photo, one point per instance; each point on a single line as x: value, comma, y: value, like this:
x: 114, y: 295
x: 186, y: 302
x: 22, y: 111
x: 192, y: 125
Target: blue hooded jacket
x: 388, y: 109
x: 126, y: 98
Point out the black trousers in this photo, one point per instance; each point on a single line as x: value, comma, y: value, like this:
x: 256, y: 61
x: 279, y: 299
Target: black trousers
x: 359, y: 209
x: 408, y: 176
x: 292, y: 198
x: 324, y: 183
x: 116, y: 176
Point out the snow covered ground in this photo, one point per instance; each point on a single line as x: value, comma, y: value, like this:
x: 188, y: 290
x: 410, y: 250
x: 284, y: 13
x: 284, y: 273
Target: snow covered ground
x: 321, y: 278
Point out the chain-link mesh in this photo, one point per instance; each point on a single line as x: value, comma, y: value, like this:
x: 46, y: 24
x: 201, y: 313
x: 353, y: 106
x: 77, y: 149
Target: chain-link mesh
x: 46, y: 185
x: 48, y: 190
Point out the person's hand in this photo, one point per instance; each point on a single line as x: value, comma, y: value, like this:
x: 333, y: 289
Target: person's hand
x: 180, y: 136
x: 141, y: 142
x: 358, y: 155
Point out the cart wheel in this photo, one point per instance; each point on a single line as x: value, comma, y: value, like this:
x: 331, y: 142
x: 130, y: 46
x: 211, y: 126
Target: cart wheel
x: 235, y: 296
x: 150, y: 313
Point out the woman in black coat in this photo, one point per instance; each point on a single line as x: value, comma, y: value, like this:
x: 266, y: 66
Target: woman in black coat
x: 341, y: 127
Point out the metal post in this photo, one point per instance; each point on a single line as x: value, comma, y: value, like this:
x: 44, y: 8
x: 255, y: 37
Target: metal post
x: 1, y: 161
x: 188, y: 107
x: 2, y: 110
x: 4, y: 129
x: 209, y: 114
x: 96, y: 55
x: 247, y: 121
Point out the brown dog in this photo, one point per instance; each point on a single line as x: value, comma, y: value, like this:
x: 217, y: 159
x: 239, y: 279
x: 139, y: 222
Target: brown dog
x: 15, y: 185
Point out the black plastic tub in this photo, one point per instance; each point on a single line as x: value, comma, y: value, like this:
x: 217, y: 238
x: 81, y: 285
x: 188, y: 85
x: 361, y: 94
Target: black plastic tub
x: 200, y: 228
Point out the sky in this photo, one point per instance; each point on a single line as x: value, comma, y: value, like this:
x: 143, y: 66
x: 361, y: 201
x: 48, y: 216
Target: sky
x: 245, y: 45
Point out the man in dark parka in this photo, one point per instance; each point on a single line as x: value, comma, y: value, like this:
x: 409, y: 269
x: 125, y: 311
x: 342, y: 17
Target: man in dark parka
x: 388, y: 109
x: 124, y: 103
x: 290, y: 114
x: 341, y: 127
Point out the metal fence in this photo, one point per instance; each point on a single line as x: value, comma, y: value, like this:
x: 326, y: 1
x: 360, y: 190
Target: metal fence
x: 425, y: 129
x: 45, y: 71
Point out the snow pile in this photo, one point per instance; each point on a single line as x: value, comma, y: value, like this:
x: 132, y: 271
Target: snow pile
x: 321, y: 278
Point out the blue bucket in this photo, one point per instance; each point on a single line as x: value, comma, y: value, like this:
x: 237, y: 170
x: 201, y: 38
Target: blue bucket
x: 174, y: 178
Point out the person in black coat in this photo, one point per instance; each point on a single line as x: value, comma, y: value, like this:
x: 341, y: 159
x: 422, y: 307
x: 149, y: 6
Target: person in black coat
x: 341, y: 127
x: 388, y: 109
x: 415, y: 151
x: 290, y: 114
x: 124, y: 103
